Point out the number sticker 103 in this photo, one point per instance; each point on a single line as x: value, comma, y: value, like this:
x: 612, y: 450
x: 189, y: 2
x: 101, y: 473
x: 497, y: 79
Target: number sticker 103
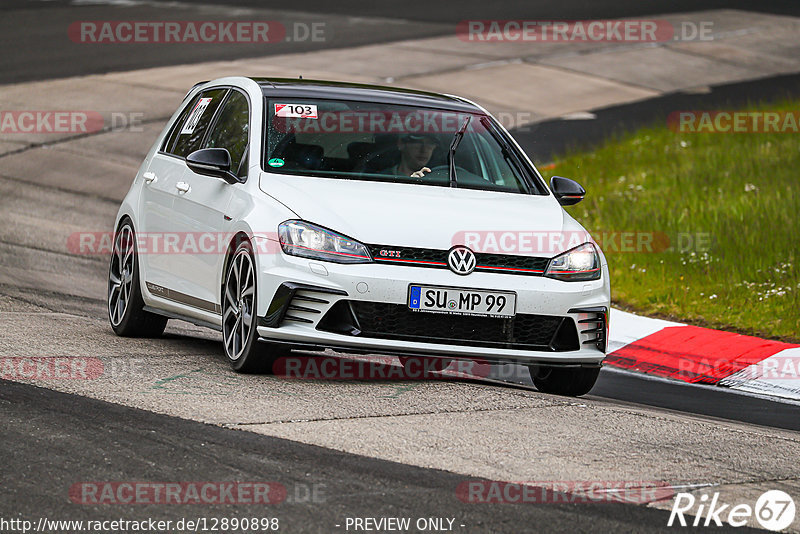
x: 300, y: 111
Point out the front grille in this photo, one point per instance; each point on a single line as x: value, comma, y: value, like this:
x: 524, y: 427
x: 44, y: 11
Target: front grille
x: 437, y: 259
x: 397, y: 321
x: 409, y: 254
x: 505, y: 262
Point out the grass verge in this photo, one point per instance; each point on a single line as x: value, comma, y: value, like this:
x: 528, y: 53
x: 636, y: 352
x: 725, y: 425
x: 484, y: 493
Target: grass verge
x: 727, y: 205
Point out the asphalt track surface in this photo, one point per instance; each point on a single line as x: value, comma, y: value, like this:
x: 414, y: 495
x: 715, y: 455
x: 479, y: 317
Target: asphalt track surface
x: 75, y: 438
x: 545, y: 139
x: 37, y: 31
x: 53, y: 439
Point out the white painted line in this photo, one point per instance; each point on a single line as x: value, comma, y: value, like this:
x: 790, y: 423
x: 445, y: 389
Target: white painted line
x: 778, y: 375
x: 579, y: 116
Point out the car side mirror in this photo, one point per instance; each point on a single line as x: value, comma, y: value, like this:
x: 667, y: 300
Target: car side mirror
x: 214, y: 162
x: 566, y: 191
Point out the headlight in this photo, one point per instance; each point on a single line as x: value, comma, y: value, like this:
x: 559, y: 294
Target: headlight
x: 307, y: 240
x: 579, y: 264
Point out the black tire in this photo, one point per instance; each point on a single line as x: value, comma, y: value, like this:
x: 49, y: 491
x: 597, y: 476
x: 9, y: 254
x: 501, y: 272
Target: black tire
x: 125, y: 305
x: 567, y: 381
x: 239, y: 317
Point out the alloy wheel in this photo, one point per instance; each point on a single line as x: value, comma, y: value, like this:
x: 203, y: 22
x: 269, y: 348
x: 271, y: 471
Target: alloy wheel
x: 120, y: 275
x: 238, y: 305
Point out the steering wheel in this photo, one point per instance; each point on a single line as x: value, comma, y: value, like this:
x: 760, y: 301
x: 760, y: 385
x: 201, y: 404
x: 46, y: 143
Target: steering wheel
x: 444, y: 170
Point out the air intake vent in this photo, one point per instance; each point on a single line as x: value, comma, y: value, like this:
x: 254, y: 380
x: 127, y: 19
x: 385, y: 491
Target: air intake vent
x: 595, y: 325
x: 297, y: 302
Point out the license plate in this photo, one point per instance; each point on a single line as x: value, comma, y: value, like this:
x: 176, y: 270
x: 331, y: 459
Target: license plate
x: 462, y: 301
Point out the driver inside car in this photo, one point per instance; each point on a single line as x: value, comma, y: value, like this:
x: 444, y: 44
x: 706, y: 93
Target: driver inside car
x: 415, y: 154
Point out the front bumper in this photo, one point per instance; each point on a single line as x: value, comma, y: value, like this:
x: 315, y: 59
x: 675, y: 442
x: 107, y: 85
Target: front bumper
x: 296, y: 295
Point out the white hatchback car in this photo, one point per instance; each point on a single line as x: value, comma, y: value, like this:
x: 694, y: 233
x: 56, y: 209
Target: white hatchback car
x: 306, y: 214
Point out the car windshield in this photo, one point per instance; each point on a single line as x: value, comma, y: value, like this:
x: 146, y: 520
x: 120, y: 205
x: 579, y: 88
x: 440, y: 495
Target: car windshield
x: 390, y: 143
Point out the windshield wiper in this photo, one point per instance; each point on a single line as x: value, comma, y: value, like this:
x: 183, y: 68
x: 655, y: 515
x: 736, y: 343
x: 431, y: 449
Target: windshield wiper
x: 451, y: 162
x: 510, y: 156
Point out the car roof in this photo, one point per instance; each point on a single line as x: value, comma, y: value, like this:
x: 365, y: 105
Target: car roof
x: 299, y: 88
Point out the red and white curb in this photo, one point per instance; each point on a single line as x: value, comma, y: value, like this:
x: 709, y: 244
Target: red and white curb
x: 703, y: 355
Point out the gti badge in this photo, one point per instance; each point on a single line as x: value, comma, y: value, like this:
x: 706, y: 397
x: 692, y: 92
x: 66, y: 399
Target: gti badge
x: 461, y: 260
x: 390, y: 253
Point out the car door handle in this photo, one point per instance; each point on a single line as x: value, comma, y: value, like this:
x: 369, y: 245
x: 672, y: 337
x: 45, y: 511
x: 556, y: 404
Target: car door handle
x: 150, y: 177
x: 183, y: 187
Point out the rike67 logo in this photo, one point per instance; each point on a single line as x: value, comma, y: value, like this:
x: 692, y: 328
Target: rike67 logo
x: 774, y: 510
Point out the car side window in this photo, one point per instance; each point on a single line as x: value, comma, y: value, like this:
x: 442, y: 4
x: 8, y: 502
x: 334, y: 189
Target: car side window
x: 193, y: 128
x: 232, y: 129
x: 169, y: 141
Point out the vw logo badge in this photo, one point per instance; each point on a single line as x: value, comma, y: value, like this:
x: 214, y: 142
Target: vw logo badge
x: 461, y: 260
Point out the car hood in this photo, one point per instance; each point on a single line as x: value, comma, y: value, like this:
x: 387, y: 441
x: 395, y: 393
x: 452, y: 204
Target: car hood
x: 423, y: 216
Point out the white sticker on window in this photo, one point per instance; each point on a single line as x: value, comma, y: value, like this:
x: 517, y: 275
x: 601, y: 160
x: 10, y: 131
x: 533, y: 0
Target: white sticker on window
x: 302, y: 111
x: 194, y: 116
